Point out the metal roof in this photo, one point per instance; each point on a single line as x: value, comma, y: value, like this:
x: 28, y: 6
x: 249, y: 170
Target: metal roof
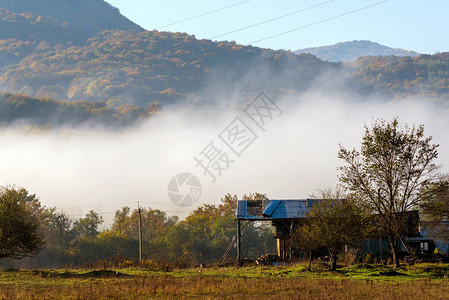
x: 274, y: 209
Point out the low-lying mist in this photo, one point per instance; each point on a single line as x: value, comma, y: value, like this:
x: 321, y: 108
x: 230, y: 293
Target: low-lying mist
x: 103, y: 170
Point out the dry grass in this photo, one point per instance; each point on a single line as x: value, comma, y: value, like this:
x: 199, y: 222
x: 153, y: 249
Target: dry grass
x: 218, y: 283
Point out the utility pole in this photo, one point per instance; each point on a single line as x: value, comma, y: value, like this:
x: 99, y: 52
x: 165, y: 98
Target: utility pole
x: 239, y: 249
x: 140, y: 232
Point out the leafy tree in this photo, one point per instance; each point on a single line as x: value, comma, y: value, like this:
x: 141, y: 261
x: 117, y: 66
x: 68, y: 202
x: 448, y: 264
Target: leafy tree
x: 206, y: 233
x: 58, y: 233
x: 155, y: 226
x: 88, y: 226
x: 305, y: 237
x: 118, y: 224
x: 255, y: 196
x: 20, y: 234
x: 435, y: 207
x: 59, y: 228
x: 106, y: 245
x: 388, y: 173
x: 334, y: 222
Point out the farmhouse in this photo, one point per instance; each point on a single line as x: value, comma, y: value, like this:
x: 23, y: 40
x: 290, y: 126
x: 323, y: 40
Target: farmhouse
x: 286, y: 215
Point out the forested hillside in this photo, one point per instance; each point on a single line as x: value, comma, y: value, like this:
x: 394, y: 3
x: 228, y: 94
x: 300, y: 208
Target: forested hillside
x: 15, y: 109
x: 350, y: 51
x: 423, y: 76
x: 140, y: 68
x: 29, y: 27
x: 62, y: 50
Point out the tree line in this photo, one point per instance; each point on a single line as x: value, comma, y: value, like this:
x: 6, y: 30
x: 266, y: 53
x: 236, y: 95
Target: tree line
x: 57, y: 241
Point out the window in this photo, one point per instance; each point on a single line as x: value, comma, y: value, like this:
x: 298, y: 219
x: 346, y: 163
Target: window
x: 424, y: 246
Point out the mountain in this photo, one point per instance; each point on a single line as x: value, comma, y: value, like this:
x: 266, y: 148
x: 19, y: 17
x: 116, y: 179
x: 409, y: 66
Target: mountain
x: 139, y: 68
x: 123, y: 73
x: 350, y: 51
x: 59, y: 21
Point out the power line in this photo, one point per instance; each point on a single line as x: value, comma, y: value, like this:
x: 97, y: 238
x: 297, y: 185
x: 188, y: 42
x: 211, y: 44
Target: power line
x: 83, y: 215
x: 113, y: 204
x: 319, y: 22
x: 113, y: 212
x: 95, y: 206
x: 204, y: 14
x: 269, y: 37
x: 271, y: 20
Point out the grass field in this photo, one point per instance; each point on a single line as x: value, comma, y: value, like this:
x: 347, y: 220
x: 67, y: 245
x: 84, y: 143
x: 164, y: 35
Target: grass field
x: 423, y: 281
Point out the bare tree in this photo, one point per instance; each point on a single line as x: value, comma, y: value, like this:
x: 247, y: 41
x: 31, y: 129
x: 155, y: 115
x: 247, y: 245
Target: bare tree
x: 388, y: 173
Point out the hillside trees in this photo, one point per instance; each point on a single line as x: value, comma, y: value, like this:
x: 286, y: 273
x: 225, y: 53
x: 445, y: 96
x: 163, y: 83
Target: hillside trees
x: 143, y: 67
x: 426, y: 75
x: 387, y: 174
x: 76, y: 21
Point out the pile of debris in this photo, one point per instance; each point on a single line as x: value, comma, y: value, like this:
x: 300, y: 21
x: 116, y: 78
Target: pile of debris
x: 434, y: 258
x: 268, y: 260
x: 247, y: 262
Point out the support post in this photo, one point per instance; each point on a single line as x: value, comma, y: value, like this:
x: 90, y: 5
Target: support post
x: 291, y: 237
x: 140, y: 232
x: 239, y: 260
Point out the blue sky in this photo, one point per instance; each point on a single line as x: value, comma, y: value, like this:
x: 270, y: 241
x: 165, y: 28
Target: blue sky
x: 417, y: 25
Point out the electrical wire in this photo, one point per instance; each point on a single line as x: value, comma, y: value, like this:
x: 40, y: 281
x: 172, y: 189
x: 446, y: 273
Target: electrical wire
x: 204, y: 14
x: 271, y: 20
x: 114, y: 204
x: 279, y: 34
x: 319, y: 22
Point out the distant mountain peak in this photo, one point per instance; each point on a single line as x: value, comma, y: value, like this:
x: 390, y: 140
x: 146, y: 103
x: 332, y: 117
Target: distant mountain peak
x: 351, y: 51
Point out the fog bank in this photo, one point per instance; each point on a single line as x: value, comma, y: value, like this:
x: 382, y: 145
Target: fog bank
x: 103, y: 170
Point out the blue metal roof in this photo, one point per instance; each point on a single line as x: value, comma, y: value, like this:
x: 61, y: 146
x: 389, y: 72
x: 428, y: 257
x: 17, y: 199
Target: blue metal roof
x: 274, y: 209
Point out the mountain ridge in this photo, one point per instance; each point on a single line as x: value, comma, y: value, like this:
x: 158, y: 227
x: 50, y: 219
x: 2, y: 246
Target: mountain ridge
x: 352, y: 50
x: 134, y: 69
x: 78, y: 19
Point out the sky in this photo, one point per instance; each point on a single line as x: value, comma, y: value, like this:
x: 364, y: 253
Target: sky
x: 413, y: 25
